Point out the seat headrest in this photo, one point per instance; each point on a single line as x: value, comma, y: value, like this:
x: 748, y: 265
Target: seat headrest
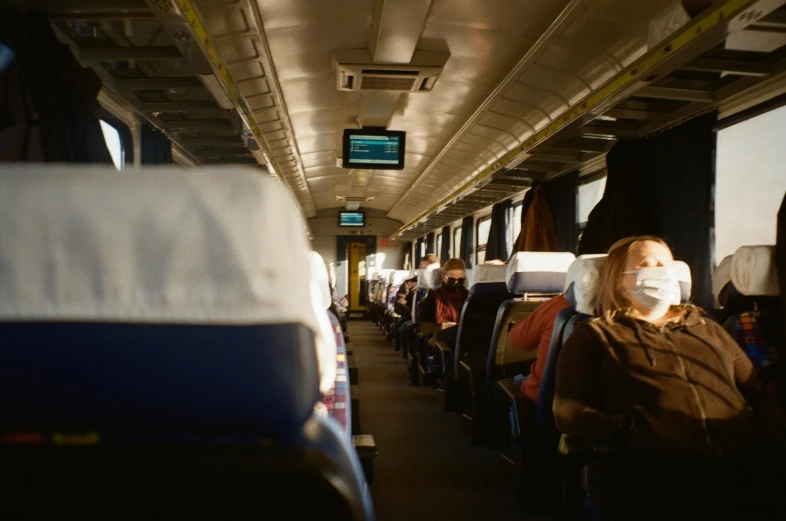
x: 753, y: 271
x: 319, y: 279
x: 486, y: 273
x: 682, y: 271
x: 384, y: 274
x: 397, y: 277
x: 430, y: 278
x: 488, y: 289
x: 160, y: 245
x: 721, y: 277
x: 325, y: 339
x: 538, y: 272
x: 582, y: 281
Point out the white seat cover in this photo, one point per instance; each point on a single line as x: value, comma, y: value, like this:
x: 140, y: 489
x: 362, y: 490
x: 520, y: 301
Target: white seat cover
x: 487, y: 273
x: 584, y: 275
x: 541, y: 272
x: 164, y: 245
x: 721, y: 277
x: 753, y: 271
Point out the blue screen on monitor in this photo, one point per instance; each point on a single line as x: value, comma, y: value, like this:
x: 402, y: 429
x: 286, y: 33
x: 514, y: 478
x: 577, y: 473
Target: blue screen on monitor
x: 351, y: 219
x: 380, y: 149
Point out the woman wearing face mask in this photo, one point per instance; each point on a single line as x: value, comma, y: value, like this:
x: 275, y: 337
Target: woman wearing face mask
x: 691, y: 433
x: 443, y: 305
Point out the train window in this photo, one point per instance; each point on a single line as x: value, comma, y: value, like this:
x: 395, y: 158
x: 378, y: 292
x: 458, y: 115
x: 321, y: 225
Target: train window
x: 439, y: 245
x: 113, y: 143
x: 423, y: 248
x: 589, y: 195
x: 482, y: 232
x: 749, y: 181
x: 456, y: 242
x: 514, y: 224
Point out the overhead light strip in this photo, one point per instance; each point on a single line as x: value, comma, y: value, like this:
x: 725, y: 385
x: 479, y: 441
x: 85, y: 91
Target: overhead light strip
x: 612, y: 89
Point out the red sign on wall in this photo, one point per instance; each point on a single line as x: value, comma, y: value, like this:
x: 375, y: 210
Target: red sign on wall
x: 383, y: 242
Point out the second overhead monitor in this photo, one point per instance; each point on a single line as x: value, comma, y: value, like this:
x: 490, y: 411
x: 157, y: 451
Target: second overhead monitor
x: 374, y: 148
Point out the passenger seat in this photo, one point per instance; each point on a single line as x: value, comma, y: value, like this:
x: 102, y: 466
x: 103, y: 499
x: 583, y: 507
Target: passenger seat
x: 159, y: 353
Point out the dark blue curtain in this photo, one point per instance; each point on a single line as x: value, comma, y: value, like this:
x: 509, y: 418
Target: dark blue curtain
x: 561, y: 195
x: 444, y: 253
x: 156, y: 147
x: 780, y: 259
x: 430, y: 243
x: 467, y: 240
x: 661, y: 186
x: 497, y: 244
x: 418, y: 256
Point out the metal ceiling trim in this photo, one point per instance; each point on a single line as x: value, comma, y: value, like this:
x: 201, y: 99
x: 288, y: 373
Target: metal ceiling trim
x: 565, y: 17
x: 613, y: 91
x: 196, y: 25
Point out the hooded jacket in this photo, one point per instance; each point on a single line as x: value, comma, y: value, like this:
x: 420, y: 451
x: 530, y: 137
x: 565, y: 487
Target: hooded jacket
x: 684, y: 388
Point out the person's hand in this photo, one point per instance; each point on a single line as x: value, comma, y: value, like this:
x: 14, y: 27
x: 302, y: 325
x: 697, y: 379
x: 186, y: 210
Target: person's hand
x: 446, y: 325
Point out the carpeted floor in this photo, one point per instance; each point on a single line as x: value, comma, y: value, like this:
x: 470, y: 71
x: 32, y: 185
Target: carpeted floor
x: 426, y: 469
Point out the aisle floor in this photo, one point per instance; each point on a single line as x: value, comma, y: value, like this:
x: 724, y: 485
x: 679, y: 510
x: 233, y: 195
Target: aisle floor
x: 426, y: 469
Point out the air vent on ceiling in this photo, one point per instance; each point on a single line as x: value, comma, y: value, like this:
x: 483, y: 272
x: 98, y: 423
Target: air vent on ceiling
x: 396, y: 78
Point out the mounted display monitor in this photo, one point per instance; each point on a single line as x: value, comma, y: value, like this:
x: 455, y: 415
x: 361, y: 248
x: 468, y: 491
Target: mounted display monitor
x: 374, y: 148
x: 357, y: 219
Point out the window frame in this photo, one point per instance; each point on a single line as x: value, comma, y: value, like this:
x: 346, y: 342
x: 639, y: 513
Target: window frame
x: 478, y: 246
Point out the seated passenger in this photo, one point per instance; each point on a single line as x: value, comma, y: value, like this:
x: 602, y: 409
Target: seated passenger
x: 535, y: 332
x: 691, y: 433
x: 409, y: 287
x: 443, y: 305
x: 406, y: 295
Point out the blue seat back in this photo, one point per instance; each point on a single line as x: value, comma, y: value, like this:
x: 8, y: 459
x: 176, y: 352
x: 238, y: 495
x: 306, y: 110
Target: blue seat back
x: 476, y: 324
x: 147, y: 315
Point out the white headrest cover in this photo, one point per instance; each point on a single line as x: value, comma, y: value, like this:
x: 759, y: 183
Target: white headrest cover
x: 721, y: 277
x: 753, y: 271
x: 384, y: 274
x: 584, y: 274
x: 549, y: 267
x: 327, y: 351
x: 429, y: 279
x: 162, y: 245
x: 397, y: 277
x: 487, y: 273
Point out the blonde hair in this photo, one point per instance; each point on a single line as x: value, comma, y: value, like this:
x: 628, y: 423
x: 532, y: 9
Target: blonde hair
x: 612, y: 300
x: 453, y: 264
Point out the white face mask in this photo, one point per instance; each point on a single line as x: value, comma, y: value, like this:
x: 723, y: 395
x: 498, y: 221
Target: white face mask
x: 656, y: 288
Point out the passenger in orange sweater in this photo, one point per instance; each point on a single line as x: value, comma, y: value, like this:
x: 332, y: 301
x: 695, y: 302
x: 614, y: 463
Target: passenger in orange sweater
x: 535, y: 332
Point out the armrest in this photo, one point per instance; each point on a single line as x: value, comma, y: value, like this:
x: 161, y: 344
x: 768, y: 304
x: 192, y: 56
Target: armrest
x: 447, y: 357
x: 509, y: 391
x: 582, y: 448
x: 428, y: 328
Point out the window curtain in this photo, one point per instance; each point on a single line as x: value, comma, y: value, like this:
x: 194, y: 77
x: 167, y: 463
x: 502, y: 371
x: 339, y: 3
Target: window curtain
x: 661, y: 186
x: 497, y: 247
x: 467, y: 240
x: 561, y: 196
x: 444, y: 254
x: 430, y: 243
x: 780, y: 257
x: 537, y: 226
x: 156, y: 147
x: 418, y: 256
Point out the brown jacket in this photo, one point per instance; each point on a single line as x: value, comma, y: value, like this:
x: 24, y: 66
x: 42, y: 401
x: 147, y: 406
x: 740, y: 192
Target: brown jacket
x: 686, y: 388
